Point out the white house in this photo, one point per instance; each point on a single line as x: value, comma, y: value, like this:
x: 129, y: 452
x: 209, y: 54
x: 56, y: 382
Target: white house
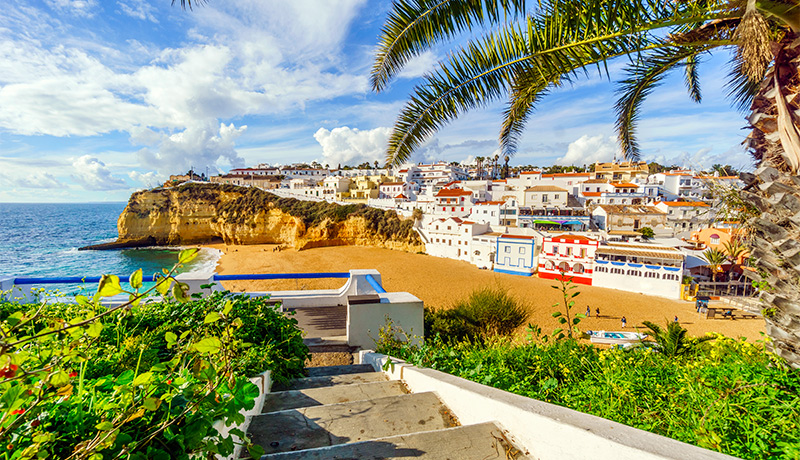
x: 545, y: 196
x: 452, y: 237
x: 495, y: 213
x: 516, y: 255
x: 685, y: 216
x: 455, y: 202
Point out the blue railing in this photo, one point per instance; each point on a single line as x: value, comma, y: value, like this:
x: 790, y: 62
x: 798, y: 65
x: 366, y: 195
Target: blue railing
x: 258, y: 276
x: 281, y: 276
x: 375, y: 285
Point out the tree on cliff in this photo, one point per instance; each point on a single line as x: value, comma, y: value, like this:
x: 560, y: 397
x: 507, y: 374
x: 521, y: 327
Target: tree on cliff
x: 526, y: 54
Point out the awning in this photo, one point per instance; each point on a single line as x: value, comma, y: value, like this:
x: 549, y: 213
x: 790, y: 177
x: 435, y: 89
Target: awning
x: 573, y: 222
x: 546, y: 222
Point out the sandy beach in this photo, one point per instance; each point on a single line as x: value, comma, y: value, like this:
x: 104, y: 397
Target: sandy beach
x: 440, y: 282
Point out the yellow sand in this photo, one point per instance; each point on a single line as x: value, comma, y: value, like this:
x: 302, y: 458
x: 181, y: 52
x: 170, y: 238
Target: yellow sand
x: 440, y: 282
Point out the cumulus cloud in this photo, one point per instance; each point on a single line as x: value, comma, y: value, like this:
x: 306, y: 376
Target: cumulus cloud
x: 149, y: 179
x: 93, y: 174
x: 351, y: 146
x: 589, y: 149
x: 419, y: 65
x: 250, y: 57
x: 197, y: 147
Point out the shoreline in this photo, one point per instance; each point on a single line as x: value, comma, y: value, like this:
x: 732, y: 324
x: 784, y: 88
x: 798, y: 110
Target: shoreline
x: 440, y: 282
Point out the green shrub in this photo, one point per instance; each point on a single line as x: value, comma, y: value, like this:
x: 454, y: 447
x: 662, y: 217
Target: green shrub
x: 729, y: 395
x: 485, y: 313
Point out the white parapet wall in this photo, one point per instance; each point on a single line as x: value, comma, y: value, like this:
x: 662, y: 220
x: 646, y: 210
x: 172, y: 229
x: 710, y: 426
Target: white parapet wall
x: 364, y: 320
x: 264, y: 383
x: 546, y: 431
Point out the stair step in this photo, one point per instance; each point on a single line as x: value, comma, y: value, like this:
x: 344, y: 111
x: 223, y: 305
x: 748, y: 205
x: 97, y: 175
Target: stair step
x: 330, y: 380
x: 472, y: 442
x: 339, y: 370
x: 320, y: 426
x: 295, y: 399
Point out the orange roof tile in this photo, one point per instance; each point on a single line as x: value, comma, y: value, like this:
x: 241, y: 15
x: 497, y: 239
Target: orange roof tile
x: 625, y: 185
x: 570, y: 238
x: 519, y: 237
x: 530, y: 172
x: 489, y: 203
x: 453, y: 192
x: 591, y: 193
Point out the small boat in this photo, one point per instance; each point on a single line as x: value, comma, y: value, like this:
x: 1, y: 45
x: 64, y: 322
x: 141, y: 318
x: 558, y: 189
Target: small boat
x: 625, y: 339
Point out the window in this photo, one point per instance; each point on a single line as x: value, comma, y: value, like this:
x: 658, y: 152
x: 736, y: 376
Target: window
x: 449, y: 228
x: 507, y: 249
x: 569, y: 251
x: 713, y: 239
x: 555, y: 250
x: 555, y: 197
x: 583, y: 252
x: 544, y: 198
x: 522, y: 250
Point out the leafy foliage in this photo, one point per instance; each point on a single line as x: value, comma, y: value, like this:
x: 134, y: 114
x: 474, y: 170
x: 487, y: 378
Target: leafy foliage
x: 672, y: 341
x: 137, y: 381
x: 487, y: 312
x: 729, y: 395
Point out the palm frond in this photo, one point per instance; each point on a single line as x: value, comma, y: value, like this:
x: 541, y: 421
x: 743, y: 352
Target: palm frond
x: 562, y: 40
x: 741, y: 88
x: 185, y: 3
x: 415, y: 25
x: 692, y: 79
x: 644, y: 77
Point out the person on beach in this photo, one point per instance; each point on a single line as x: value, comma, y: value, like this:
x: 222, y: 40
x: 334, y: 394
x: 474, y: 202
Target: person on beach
x: 588, y: 312
x: 624, y: 322
x: 597, y: 312
x: 676, y: 319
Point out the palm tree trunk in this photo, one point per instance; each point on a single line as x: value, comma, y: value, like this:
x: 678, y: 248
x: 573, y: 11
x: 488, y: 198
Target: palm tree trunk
x: 775, y: 239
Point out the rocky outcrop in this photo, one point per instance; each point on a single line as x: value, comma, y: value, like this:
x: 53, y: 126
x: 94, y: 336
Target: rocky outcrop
x: 204, y: 213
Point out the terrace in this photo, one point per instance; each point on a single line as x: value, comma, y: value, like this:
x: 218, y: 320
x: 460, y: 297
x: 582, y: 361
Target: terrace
x: 351, y: 314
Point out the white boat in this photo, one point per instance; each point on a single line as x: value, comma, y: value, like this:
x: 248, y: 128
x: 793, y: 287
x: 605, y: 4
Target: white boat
x: 625, y: 339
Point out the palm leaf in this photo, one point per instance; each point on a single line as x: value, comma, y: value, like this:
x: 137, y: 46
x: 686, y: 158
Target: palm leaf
x: 561, y: 40
x: 415, y: 25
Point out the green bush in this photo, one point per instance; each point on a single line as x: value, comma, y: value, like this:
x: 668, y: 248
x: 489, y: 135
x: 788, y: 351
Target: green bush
x: 148, y: 381
x: 485, y: 313
x: 729, y: 395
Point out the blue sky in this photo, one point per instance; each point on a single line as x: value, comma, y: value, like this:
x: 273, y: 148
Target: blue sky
x: 99, y: 98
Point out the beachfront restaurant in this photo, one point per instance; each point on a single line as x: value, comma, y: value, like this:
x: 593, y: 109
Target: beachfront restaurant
x: 553, y: 219
x: 654, y: 270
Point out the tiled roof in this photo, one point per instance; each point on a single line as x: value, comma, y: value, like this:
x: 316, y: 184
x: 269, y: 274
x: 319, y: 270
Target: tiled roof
x: 591, y: 193
x: 392, y: 183
x: 684, y: 203
x: 484, y: 203
x: 456, y: 192
x: 596, y: 181
x: 629, y: 209
x: 571, y: 238
x: 530, y: 172
x: 518, y: 237
x: 624, y: 185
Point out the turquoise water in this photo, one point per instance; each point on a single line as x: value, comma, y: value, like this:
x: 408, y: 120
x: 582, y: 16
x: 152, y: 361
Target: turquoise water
x: 43, y: 240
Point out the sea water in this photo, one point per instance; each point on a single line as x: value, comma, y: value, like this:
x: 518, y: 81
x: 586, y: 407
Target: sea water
x: 42, y: 240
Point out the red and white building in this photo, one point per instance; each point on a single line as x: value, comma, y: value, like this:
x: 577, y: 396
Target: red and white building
x: 569, y: 255
x: 455, y: 202
x: 394, y: 190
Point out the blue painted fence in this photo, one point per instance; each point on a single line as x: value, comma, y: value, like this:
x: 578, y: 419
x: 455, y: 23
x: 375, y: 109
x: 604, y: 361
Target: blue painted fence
x: 258, y: 276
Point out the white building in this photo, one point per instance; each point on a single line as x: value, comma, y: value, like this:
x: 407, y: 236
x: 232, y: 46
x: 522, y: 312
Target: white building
x: 495, y: 213
x: 602, y: 191
x: 686, y: 216
x: 452, y: 237
x: 516, y: 255
x: 548, y: 196
x: 648, y: 269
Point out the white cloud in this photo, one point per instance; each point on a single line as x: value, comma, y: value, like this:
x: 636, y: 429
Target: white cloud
x: 76, y: 7
x: 197, y: 147
x: 419, y: 65
x: 93, y: 174
x: 37, y: 180
x: 149, y: 179
x: 139, y: 10
x: 351, y: 146
x: 589, y: 149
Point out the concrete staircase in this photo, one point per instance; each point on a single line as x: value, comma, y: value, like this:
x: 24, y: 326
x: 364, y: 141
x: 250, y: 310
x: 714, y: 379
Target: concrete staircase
x: 343, y: 412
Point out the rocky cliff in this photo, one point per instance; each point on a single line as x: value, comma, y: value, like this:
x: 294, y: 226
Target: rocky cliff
x: 204, y: 213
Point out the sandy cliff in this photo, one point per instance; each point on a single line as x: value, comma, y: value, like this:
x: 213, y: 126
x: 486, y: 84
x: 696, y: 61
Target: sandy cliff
x: 203, y: 213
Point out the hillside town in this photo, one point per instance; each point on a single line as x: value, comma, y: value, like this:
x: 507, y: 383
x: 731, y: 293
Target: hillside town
x: 614, y: 225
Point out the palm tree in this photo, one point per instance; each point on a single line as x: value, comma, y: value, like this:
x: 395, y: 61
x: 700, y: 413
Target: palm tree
x: 527, y: 54
x: 714, y: 259
x: 734, y: 249
x: 479, y: 160
x: 672, y: 341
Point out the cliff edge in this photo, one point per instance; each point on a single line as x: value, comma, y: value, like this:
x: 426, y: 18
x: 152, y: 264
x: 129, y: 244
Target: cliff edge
x: 204, y: 213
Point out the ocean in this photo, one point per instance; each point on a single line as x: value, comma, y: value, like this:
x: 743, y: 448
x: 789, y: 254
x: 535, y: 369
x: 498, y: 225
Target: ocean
x: 42, y: 240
